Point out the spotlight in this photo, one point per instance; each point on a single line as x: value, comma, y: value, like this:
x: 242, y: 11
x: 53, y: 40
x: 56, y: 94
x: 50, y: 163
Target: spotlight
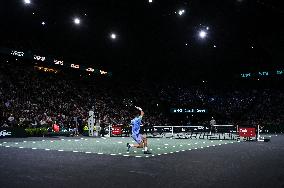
x: 181, y: 12
x: 113, y: 36
x: 27, y: 1
x: 77, y: 21
x: 202, y: 34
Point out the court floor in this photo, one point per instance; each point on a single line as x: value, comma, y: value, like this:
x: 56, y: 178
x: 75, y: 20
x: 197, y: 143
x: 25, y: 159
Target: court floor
x: 116, y: 146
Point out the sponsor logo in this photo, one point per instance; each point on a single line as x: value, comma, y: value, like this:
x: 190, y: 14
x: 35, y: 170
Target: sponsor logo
x: 5, y: 133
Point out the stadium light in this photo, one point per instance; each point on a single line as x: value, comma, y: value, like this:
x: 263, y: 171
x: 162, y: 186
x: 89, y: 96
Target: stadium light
x: 42, y: 23
x: 150, y: 1
x: 202, y: 34
x: 113, y: 36
x: 181, y: 12
x: 27, y: 1
x: 77, y: 21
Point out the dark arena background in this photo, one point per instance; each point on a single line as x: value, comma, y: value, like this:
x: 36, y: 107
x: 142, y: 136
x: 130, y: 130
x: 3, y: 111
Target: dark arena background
x: 206, y: 75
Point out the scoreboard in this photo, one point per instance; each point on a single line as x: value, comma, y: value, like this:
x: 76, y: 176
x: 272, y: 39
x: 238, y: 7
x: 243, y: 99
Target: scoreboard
x: 189, y: 110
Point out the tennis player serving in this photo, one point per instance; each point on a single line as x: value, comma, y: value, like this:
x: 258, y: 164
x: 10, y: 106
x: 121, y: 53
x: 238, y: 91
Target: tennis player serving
x: 139, y: 139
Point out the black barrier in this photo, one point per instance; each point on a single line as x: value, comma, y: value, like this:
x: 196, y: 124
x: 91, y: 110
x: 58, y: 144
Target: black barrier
x: 12, y: 132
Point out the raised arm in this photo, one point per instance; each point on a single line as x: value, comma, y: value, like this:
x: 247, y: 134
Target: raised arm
x: 141, y: 111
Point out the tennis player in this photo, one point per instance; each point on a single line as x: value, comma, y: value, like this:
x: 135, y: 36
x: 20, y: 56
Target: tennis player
x: 139, y: 139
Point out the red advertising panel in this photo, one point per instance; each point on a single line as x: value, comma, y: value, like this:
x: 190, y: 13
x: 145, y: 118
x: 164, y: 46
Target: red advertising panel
x: 247, y: 132
x: 116, y: 130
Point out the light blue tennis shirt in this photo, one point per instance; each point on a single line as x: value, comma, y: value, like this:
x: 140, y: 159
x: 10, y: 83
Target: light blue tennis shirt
x: 136, y: 122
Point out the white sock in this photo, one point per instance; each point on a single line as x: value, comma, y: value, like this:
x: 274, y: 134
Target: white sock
x: 146, y: 148
x: 131, y: 145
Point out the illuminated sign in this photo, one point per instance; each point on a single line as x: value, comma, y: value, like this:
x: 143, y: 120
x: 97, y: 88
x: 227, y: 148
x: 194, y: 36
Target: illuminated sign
x: 246, y: 75
x: 103, y: 72
x: 56, y: 62
x: 39, y: 58
x: 16, y: 53
x: 90, y: 70
x: 75, y: 66
x: 263, y: 73
x: 279, y: 72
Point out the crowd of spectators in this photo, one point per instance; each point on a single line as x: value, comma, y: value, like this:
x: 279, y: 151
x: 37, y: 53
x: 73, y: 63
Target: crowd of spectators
x: 33, y: 98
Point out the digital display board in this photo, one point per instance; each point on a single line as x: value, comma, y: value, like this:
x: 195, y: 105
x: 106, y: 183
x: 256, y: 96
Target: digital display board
x: 188, y: 110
